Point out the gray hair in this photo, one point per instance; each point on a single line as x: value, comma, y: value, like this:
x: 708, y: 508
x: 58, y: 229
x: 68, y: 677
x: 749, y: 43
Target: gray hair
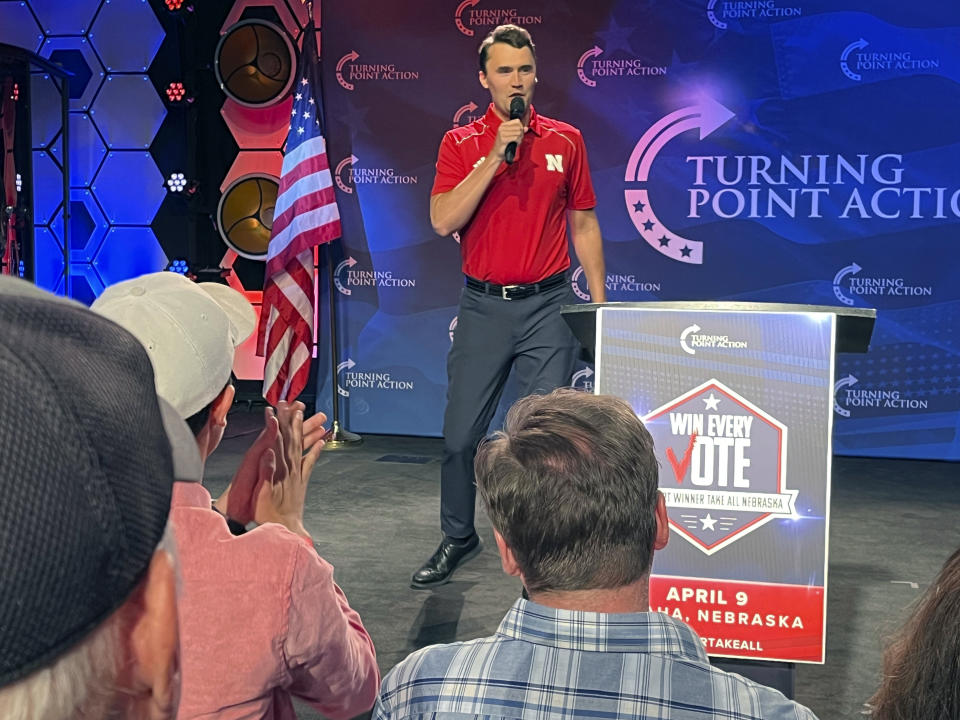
x: 571, y: 485
x: 83, y: 682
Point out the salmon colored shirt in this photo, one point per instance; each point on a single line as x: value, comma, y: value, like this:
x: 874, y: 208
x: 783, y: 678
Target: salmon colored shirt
x: 261, y: 619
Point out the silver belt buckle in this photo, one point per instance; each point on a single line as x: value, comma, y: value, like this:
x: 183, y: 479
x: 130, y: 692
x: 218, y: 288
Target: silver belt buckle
x: 503, y: 291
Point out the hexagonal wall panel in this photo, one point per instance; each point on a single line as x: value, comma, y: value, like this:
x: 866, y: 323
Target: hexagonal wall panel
x: 128, y: 252
x: 86, y: 150
x: 85, y: 283
x: 47, y: 258
x: 77, y: 53
x: 87, y: 226
x: 47, y: 188
x: 122, y: 171
x: 248, y: 162
x: 302, y: 13
x: 121, y: 128
x: 45, y: 113
x: 258, y: 128
x: 290, y: 23
x: 18, y: 26
x: 65, y: 18
x: 127, y: 35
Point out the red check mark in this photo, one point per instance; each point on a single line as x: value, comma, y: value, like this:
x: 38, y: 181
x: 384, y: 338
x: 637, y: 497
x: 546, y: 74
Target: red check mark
x: 680, y: 468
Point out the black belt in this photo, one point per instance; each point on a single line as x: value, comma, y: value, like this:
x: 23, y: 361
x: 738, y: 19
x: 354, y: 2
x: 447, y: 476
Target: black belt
x: 515, y: 292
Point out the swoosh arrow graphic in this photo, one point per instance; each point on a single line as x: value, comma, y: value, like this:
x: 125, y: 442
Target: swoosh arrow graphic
x: 595, y: 51
x: 712, y: 16
x: 858, y: 45
x: 349, y: 262
x: 469, y: 107
x: 842, y: 382
x: 851, y: 269
x: 706, y: 116
x: 456, y: 18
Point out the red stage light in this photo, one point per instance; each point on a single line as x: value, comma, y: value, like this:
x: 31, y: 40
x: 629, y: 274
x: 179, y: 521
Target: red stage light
x: 173, y: 4
x: 175, y: 92
x: 15, y: 93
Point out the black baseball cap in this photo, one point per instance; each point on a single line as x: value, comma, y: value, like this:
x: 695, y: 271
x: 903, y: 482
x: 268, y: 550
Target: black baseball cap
x: 86, y: 473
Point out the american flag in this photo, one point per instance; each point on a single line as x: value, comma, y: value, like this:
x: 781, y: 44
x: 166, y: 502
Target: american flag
x: 305, y: 216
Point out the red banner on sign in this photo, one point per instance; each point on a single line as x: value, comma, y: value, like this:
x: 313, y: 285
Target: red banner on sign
x: 746, y: 619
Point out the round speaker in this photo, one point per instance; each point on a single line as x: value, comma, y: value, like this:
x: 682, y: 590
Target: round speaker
x: 245, y: 214
x: 255, y: 63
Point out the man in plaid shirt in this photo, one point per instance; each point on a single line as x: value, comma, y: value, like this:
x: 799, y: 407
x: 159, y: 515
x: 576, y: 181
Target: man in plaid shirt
x: 570, y: 486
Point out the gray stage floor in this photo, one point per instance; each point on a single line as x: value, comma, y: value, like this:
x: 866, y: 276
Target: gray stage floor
x: 373, y: 513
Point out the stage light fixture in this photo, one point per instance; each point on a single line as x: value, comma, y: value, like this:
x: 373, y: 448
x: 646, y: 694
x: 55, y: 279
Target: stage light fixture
x: 245, y: 214
x: 173, y: 5
x: 19, y: 183
x: 175, y: 92
x: 179, y: 266
x: 15, y: 92
x: 255, y: 63
x: 176, y: 182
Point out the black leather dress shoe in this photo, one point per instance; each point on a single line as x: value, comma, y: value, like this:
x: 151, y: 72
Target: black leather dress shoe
x: 438, y: 569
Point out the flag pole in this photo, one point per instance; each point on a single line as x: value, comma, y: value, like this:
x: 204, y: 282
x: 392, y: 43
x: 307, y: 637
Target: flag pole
x: 340, y: 437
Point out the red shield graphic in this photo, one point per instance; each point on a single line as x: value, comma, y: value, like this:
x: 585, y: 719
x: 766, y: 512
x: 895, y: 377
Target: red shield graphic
x: 722, y: 465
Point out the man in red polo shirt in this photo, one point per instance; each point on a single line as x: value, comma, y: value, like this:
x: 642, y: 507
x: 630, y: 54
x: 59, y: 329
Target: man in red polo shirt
x: 513, y: 219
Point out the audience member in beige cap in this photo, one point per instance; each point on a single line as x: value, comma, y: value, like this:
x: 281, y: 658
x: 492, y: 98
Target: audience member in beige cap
x: 261, y: 617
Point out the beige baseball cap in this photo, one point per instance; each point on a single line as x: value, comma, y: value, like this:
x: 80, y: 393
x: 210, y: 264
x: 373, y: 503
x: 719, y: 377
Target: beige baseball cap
x: 190, y: 331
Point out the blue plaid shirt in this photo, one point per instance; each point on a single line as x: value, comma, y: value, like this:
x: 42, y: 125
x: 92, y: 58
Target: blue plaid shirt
x: 549, y: 664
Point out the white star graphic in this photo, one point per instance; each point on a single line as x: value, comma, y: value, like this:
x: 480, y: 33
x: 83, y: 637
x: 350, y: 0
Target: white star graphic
x: 708, y: 522
x: 304, y: 82
x: 310, y: 101
x: 293, y: 113
x: 711, y: 402
x: 306, y: 116
x: 300, y: 131
x: 298, y: 96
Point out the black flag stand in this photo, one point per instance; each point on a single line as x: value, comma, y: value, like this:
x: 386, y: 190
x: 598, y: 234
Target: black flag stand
x: 340, y: 437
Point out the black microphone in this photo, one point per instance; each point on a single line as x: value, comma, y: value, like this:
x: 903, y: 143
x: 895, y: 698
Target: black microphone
x: 517, y: 108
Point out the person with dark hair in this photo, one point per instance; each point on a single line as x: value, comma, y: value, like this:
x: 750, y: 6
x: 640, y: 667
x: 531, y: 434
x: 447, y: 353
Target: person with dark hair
x: 261, y: 618
x: 512, y: 183
x: 570, y: 486
x: 921, y: 667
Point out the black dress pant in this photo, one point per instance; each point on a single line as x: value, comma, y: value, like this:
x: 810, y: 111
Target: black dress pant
x: 492, y: 336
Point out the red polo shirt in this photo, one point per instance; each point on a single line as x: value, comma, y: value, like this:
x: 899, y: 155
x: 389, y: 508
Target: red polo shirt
x: 519, y: 232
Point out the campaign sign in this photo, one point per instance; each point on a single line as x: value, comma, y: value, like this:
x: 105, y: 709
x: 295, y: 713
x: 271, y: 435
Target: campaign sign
x: 739, y: 405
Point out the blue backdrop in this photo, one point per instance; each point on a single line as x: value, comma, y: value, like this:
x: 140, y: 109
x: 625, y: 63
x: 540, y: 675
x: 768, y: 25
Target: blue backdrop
x: 773, y: 150
x: 782, y: 150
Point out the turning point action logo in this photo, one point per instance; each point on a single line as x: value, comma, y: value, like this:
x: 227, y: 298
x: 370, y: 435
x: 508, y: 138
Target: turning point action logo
x: 691, y: 340
x: 846, y: 396
x: 352, y: 380
x: 706, y: 117
x: 719, y: 11
x: 347, y: 276
x: 583, y: 380
x: 877, y: 187
x: 590, y: 67
x: 615, y: 283
x: 348, y: 176
x: 848, y: 283
x: 466, y: 114
x: 350, y: 71
x: 855, y: 61
x: 468, y: 16
x: 719, y: 484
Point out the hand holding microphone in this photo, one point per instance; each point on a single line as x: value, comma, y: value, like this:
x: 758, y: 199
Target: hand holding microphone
x: 517, y: 108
